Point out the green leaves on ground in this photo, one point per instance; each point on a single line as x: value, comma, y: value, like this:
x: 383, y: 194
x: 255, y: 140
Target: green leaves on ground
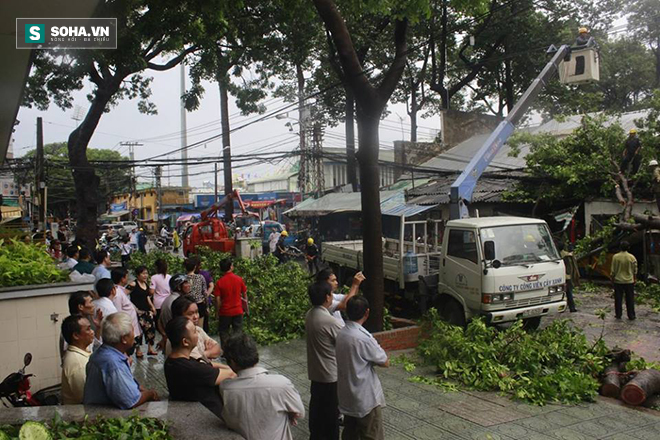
x: 100, y: 428
x: 648, y: 293
x: 24, y: 264
x: 555, y: 364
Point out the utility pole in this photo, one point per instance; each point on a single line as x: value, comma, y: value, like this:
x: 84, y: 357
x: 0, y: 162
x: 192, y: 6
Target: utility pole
x: 131, y: 152
x: 215, y: 191
x: 159, y: 197
x: 41, y: 182
x: 304, y: 168
x: 317, y: 160
x: 184, y: 129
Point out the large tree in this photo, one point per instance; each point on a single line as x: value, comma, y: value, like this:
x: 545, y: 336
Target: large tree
x: 371, y: 97
x: 151, y: 36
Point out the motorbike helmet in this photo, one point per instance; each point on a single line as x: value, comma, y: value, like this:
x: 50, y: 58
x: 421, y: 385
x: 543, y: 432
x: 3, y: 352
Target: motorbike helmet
x: 176, y: 281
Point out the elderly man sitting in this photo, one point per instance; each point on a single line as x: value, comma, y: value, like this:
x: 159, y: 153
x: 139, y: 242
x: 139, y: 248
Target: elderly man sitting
x: 109, y: 377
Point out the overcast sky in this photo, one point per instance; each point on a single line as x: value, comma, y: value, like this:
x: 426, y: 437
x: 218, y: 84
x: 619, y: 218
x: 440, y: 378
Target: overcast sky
x: 162, y: 132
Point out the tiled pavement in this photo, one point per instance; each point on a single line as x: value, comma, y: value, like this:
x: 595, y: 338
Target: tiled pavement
x: 419, y: 411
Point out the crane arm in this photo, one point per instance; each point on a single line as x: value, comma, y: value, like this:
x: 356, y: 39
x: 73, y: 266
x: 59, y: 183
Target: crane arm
x: 461, y: 190
x: 213, y: 210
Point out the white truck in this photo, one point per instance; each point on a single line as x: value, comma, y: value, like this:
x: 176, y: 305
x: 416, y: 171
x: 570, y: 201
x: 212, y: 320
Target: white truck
x: 503, y: 268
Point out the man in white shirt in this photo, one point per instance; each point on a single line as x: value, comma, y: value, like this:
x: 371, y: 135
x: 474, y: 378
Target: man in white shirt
x: 103, y: 269
x: 78, y: 334
x: 72, y: 257
x: 359, y: 390
x: 273, y: 238
x: 106, y: 290
x: 339, y: 300
x: 257, y: 405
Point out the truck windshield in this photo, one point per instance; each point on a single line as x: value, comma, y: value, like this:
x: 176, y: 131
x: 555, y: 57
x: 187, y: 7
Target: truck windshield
x: 521, y: 244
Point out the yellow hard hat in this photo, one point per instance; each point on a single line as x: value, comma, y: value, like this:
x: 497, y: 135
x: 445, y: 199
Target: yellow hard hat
x: 285, y: 234
x: 310, y: 241
x: 633, y: 131
x: 583, y: 30
x: 530, y: 238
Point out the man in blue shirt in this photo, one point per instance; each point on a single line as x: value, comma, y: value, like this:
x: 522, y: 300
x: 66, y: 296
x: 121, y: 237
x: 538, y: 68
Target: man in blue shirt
x: 109, y: 377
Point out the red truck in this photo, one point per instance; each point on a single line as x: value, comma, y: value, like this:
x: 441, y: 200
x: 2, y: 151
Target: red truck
x: 212, y: 232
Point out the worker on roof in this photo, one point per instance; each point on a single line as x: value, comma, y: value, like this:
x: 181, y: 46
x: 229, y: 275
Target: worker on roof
x: 631, y: 152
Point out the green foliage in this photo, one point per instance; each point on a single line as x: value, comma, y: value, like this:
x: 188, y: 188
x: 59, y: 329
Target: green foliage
x: 277, y: 292
x: 601, y: 238
x: 174, y: 263
x: 648, y: 293
x: 100, y: 428
x: 578, y: 166
x: 555, y: 364
x: 404, y: 361
x: 639, y: 363
x: 23, y: 264
x: 60, y: 180
x: 278, y: 298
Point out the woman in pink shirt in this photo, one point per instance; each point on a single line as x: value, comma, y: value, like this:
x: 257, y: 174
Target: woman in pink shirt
x: 160, y: 282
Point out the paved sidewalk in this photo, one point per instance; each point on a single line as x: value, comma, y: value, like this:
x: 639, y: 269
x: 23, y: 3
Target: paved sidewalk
x: 419, y: 411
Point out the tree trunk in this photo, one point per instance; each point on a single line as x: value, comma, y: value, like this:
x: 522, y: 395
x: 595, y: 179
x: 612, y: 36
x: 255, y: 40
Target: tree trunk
x: 645, y: 384
x: 351, y: 171
x: 84, y: 178
x: 226, y: 142
x: 371, y: 102
x: 372, y: 227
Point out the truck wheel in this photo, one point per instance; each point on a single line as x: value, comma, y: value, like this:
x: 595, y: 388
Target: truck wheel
x: 531, y: 323
x: 452, y: 312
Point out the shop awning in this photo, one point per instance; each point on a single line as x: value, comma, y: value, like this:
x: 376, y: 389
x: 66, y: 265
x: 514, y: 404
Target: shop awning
x: 114, y: 214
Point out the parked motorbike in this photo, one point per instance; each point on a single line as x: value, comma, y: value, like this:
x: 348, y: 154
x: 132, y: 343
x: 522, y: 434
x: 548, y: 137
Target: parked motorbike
x: 16, y: 389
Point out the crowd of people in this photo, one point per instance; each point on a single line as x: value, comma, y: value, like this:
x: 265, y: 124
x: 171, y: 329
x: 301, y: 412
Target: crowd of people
x: 126, y: 317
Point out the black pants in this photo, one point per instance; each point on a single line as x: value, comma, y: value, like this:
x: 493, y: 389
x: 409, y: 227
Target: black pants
x: 225, y: 322
x: 629, y: 291
x: 203, y: 308
x: 313, y: 266
x: 636, y: 161
x: 324, y: 412
x: 569, y: 295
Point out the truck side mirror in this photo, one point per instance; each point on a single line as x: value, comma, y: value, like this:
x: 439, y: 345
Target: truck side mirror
x: 489, y: 250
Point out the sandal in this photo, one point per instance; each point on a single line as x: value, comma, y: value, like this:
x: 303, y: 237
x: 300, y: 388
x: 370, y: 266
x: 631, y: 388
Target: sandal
x: 152, y: 353
x: 139, y: 355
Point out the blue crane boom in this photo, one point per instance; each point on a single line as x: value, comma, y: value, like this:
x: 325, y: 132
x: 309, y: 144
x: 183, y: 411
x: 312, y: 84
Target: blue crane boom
x: 462, y: 189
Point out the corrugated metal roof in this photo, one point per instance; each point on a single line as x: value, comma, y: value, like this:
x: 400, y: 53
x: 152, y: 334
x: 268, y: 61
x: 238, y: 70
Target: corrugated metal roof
x: 392, y: 203
x: 488, y: 190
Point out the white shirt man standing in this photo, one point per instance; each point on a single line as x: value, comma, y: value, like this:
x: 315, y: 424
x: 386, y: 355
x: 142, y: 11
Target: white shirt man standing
x: 359, y: 390
x: 256, y: 392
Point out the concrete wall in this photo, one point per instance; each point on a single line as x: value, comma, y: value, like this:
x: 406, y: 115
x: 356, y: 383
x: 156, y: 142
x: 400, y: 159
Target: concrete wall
x: 26, y: 326
x: 458, y: 126
x: 609, y: 207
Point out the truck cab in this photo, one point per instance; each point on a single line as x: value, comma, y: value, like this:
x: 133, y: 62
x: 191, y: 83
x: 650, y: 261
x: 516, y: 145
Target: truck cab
x: 503, y: 268
x: 211, y: 232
